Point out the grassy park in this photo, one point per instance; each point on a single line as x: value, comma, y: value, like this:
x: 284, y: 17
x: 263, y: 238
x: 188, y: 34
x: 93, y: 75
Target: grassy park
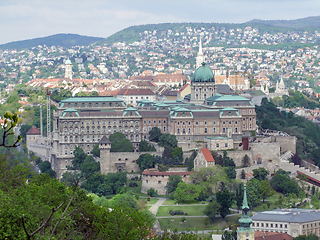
x: 196, y: 210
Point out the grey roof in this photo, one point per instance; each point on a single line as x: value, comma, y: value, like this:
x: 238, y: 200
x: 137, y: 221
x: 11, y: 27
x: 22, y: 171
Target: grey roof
x: 288, y: 215
x: 104, y: 139
x: 224, y: 89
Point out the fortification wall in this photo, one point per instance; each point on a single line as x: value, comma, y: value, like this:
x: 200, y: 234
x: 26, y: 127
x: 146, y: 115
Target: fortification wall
x: 286, y: 143
x: 157, y: 182
x: 187, y: 146
x: 40, y: 150
x: 237, y: 156
x: 265, y: 152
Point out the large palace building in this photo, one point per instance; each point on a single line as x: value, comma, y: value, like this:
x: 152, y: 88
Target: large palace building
x: 83, y: 121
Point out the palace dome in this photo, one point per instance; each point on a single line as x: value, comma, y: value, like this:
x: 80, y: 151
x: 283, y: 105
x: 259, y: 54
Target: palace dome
x: 203, y: 74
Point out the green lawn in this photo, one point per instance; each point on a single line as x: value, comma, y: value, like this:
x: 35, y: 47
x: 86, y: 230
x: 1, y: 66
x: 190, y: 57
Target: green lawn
x: 272, y: 200
x: 196, y: 210
x: 197, y: 223
x: 152, y: 201
x: 173, y: 202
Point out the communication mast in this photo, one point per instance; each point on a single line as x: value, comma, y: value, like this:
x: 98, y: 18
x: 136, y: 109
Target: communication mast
x: 41, y: 127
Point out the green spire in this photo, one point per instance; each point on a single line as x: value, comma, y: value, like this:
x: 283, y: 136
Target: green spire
x: 245, y: 202
x: 245, y: 221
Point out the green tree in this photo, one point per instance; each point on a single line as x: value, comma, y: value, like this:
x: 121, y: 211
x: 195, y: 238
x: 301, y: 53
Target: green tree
x: 225, y: 199
x: 265, y: 189
x: 155, y: 134
x: 260, y: 174
x: 239, y: 195
x: 246, y: 161
x: 151, y: 192
x: 173, y: 182
x: 23, y: 130
x: 212, y: 209
x: 96, y: 151
x: 176, y: 153
x: 79, y: 157
x: 45, y: 167
x: 281, y: 182
x: 124, y: 200
x: 231, y: 172
x: 144, y: 146
x: 253, y: 192
x: 89, y: 166
x: 186, y: 192
x: 168, y: 140
x: 119, y: 143
x: 145, y: 161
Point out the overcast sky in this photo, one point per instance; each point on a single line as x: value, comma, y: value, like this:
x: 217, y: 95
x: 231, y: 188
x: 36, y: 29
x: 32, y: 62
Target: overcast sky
x: 26, y: 19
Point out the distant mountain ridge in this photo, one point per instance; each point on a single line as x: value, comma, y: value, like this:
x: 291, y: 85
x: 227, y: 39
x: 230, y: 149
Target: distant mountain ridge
x: 301, y: 24
x: 131, y: 34
x: 62, y: 39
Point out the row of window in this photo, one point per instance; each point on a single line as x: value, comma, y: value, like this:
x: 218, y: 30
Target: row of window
x: 154, y: 121
x: 103, y: 104
x: 271, y: 225
x: 93, y: 138
x: 214, y: 130
x: 149, y: 128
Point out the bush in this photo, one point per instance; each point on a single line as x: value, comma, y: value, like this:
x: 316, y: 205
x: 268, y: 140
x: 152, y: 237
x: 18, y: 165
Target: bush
x: 151, y: 192
x: 133, y: 184
x: 136, y: 178
x: 177, y: 212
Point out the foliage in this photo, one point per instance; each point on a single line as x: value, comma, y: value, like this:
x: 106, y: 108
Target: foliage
x: 168, y: 140
x: 119, y: 143
x: 173, y: 182
x: 211, y: 178
x: 265, y: 189
x: 45, y: 167
x: 260, y: 174
x: 79, y: 157
x: 253, y: 193
x: 186, y: 192
x: 309, y: 237
x: 151, y: 192
x: 225, y: 199
x: 124, y: 200
x: 231, y: 172
x: 155, y: 134
x: 246, y: 161
x: 176, y: 153
x: 307, y: 133
x: 144, y: 146
x: 229, y: 235
x: 145, y: 161
x: 228, y: 163
x: 281, y: 182
x: 10, y: 122
x: 239, y: 195
x: 23, y: 130
x: 212, y: 209
x: 96, y: 151
x: 190, y: 160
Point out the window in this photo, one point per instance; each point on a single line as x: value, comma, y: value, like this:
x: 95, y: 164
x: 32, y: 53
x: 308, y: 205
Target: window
x: 205, y: 130
x: 214, y: 130
x: 250, y: 126
x: 236, y: 122
x: 189, y: 123
x: 183, y: 130
x: 257, y: 224
x: 214, y: 123
x: 236, y: 129
x: 243, y: 111
x: 205, y: 123
x: 244, y: 125
x: 250, y: 119
x: 250, y: 111
x: 159, y: 121
x: 217, y: 145
x: 229, y: 122
x: 159, y: 182
x: 197, y: 130
x: 189, y: 130
x: 164, y: 129
x: 178, y: 130
x: 164, y: 121
x: 271, y: 225
x: 197, y: 123
x: 178, y: 123
x: 226, y: 145
x: 223, y: 130
x: 223, y: 122
x: 267, y: 224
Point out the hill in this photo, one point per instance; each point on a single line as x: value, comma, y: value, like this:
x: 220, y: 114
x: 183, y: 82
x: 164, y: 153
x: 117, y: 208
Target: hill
x: 310, y: 23
x: 63, y: 40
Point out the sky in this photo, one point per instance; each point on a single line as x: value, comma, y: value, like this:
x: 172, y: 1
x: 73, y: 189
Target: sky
x: 27, y: 19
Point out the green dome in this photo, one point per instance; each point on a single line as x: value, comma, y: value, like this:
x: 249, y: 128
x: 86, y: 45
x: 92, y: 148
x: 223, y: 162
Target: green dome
x: 203, y: 74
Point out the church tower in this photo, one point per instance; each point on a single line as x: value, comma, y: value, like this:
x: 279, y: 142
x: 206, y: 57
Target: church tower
x: 68, y: 69
x: 245, y: 232
x: 200, y: 57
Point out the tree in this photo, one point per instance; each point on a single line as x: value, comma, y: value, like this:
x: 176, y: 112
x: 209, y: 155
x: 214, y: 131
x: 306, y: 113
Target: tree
x: 186, y: 192
x: 225, y: 199
x: 23, y: 131
x: 253, y: 192
x: 246, y: 161
x: 265, y: 189
x: 239, y: 195
x: 96, y: 151
x: 231, y: 172
x: 145, y: 161
x: 144, y: 146
x: 89, y: 166
x: 176, y: 153
x: 119, y: 143
x: 212, y: 209
x: 151, y: 192
x: 260, y: 174
x: 282, y: 183
x: 79, y: 157
x: 124, y: 200
x: 155, y: 134
x: 173, y: 182
x: 168, y: 140
x: 243, y: 174
x: 10, y: 122
x: 45, y: 167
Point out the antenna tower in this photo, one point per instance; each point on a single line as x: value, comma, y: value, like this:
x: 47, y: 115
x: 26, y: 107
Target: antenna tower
x: 48, y: 118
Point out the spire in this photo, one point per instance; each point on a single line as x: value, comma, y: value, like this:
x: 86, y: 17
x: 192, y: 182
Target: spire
x: 245, y: 202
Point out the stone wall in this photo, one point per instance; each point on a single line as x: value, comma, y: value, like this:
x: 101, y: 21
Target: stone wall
x: 237, y: 156
x: 124, y: 161
x: 187, y: 146
x: 265, y: 152
x: 41, y: 151
x: 286, y: 143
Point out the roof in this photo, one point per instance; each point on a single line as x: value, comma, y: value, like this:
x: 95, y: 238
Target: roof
x: 217, y: 138
x: 104, y: 140
x: 135, y: 92
x: 184, y: 87
x: 91, y: 99
x: 33, y: 131
x: 207, y: 155
x: 156, y: 173
x: 203, y: 74
x: 288, y: 215
x: 169, y: 78
x: 259, y: 235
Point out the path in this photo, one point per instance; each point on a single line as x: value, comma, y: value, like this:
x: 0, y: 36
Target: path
x: 155, y: 207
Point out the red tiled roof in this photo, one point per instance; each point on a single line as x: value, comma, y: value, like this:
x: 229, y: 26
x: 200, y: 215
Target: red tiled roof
x: 259, y: 235
x: 33, y: 131
x: 184, y: 87
x: 207, y: 155
x: 156, y: 173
